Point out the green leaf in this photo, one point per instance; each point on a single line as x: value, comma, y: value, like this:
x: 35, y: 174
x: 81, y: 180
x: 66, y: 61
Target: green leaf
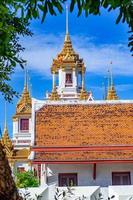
x: 79, y: 12
x: 44, y: 12
x: 51, y: 10
x: 119, y: 17
x: 72, y: 5
x: 57, y: 5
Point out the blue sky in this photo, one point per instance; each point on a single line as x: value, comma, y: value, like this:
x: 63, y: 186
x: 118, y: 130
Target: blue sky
x: 97, y: 39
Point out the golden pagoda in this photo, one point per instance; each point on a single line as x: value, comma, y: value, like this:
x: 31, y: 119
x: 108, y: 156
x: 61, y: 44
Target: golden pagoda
x: 68, y: 66
x: 111, y: 93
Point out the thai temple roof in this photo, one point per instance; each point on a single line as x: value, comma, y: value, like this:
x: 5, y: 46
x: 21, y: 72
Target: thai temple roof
x: 81, y: 126
x: 67, y: 56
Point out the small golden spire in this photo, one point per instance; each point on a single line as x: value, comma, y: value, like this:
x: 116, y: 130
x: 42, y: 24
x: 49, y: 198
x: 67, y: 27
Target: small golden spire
x: 5, y: 140
x: 25, y: 103
x: 54, y: 95
x: 111, y: 93
x: 83, y: 93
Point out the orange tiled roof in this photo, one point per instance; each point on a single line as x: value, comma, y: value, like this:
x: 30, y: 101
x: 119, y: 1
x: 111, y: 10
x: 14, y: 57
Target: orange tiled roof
x: 81, y: 126
x: 84, y: 156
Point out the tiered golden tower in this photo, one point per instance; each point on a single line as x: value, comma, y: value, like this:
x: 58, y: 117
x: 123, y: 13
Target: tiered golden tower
x: 68, y: 66
x: 111, y: 93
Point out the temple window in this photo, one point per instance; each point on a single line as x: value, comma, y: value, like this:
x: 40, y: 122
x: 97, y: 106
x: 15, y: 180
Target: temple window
x: 68, y: 82
x: 24, y: 124
x: 121, y: 178
x: 68, y: 179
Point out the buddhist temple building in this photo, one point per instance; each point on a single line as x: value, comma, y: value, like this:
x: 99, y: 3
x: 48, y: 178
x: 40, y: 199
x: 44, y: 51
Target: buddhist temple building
x: 69, y: 70
x: 79, y: 141
x: 71, y: 138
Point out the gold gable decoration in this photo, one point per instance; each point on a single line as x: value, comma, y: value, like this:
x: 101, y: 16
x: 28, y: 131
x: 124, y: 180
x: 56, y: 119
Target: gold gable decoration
x: 24, y: 105
x: 67, y: 57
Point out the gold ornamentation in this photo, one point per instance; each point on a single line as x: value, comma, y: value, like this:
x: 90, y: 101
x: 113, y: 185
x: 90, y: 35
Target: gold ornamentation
x: 67, y: 57
x: 24, y: 105
x: 111, y: 95
x: 83, y: 94
x: 7, y: 143
x: 54, y: 95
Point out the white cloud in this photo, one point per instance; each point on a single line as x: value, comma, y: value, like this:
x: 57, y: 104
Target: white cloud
x: 41, y: 49
x: 124, y: 87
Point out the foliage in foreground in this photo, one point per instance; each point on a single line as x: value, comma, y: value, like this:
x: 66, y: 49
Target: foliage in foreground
x: 12, y: 27
x: 26, y: 179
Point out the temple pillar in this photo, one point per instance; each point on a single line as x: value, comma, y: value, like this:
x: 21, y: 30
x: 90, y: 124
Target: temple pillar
x: 74, y: 78
x: 83, y: 79
x: 94, y: 171
x: 43, y: 177
x: 54, y: 81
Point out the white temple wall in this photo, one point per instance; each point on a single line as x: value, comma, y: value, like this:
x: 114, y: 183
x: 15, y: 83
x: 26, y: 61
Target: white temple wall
x: 85, y: 173
x: 15, y: 127
x: 21, y: 138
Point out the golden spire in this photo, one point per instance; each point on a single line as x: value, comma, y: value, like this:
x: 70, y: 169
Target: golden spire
x: 111, y: 93
x: 24, y: 105
x: 67, y: 19
x: 5, y: 140
x: 67, y: 54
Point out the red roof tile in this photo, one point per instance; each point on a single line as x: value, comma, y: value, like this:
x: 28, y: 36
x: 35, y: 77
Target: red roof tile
x: 84, y: 125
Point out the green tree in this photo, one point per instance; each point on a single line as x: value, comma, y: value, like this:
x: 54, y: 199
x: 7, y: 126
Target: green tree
x: 15, y: 16
x: 26, y: 179
x: 12, y: 27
